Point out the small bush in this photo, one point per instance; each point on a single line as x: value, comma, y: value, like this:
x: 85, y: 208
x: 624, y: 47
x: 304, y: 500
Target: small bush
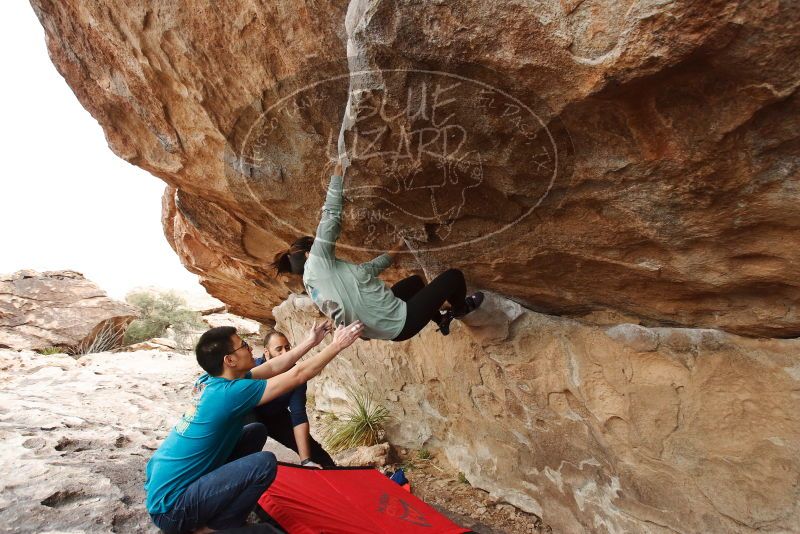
x: 462, y: 478
x: 362, y: 424
x: 51, y: 350
x: 108, y: 337
x: 424, y: 454
x: 157, y: 312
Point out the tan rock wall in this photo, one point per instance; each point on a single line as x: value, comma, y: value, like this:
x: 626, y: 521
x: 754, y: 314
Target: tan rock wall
x: 619, y: 429
x: 674, y: 197
x: 63, y: 309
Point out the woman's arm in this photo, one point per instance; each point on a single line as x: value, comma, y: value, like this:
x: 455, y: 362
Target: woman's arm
x: 330, y: 224
x: 377, y: 265
x: 302, y: 436
x: 284, y: 362
x: 300, y: 427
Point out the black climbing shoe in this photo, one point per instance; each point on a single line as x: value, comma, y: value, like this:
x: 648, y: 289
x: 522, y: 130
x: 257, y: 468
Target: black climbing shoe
x: 471, y: 303
x: 444, y: 322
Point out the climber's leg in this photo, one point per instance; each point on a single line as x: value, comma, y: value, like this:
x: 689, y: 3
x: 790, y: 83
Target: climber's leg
x: 423, y: 306
x: 408, y: 287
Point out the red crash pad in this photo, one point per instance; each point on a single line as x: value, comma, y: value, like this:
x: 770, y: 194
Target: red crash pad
x: 348, y: 500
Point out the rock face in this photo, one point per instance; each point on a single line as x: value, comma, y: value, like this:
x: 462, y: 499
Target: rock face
x: 55, y: 308
x: 376, y: 456
x: 616, y: 161
x: 582, y: 157
x: 76, y: 435
x: 244, y: 327
x: 595, y: 429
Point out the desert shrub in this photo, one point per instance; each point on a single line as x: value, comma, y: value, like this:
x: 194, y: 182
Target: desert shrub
x: 108, y: 337
x: 157, y: 313
x: 361, y: 424
x: 51, y: 350
x: 424, y: 454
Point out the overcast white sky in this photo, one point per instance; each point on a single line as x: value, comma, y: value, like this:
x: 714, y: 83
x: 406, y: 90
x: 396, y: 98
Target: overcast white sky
x: 67, y: 201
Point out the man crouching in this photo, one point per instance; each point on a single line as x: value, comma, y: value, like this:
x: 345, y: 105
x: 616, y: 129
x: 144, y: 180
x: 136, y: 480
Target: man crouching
x: 210, y: 471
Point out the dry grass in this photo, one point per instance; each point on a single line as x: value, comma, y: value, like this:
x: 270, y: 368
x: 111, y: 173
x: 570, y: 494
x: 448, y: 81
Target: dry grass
x: 107, y: 338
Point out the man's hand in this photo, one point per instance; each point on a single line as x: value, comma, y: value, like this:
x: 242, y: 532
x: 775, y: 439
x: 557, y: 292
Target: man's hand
x: 318, y: 332
x: 344, y: 336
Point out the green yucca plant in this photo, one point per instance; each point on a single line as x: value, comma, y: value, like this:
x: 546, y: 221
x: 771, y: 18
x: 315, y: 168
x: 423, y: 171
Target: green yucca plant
x: 362, y: 423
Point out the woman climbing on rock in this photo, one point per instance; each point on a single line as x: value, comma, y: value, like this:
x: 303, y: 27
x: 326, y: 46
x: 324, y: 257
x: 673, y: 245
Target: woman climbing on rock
x: 346, y: 292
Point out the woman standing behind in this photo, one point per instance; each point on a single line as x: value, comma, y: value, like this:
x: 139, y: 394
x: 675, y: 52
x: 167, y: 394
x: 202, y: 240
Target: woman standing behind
x: 285, y: 417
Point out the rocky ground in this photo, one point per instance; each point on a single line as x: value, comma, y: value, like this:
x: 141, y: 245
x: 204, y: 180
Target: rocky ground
x: 449, y: 492
x: 75, y: 435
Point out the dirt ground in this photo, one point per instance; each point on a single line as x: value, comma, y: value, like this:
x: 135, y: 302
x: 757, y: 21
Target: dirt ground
x: 454, y: 497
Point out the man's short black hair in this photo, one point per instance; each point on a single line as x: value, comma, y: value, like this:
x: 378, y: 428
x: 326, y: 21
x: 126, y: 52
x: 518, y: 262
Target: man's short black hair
x: 212, y: 348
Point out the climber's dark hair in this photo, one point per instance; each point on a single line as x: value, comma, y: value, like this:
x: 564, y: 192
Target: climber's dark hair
x: 282, y: 261
x: 212, y: 348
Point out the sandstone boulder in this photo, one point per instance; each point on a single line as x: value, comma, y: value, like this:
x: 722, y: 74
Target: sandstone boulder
x: 57, y: 308
x: 376, y: 456
x: 594, y: 429
x: 581, y: 157
x: 244, y: 327
x: 157, y: 343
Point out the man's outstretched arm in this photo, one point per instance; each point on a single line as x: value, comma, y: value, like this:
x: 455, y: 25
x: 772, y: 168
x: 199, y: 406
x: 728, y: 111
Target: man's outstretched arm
x: 308, y: 369
x: 284, y: 362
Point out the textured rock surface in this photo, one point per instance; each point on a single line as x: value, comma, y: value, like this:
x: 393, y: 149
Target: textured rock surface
x: 157, y: 343
x: 620, y: 429
x: 75, y: 436
x: 653, y: 173
x: 243, y: 326
x: 55, y: 308
x: 376, y: 456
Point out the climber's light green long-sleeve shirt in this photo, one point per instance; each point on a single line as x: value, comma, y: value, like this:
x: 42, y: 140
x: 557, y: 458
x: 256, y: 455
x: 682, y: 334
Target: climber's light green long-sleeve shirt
x: 346, y: 292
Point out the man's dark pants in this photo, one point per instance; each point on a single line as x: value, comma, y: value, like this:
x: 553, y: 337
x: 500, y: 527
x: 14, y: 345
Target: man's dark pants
x: 225, y: 497
x: 280, y: 429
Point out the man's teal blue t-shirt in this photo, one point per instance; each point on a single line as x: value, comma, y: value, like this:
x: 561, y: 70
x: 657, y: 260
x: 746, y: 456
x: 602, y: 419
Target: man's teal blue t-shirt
x: 202, y: 440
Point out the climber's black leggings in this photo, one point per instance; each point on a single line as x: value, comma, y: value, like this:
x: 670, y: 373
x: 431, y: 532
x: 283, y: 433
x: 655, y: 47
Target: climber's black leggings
x: 423, y: 302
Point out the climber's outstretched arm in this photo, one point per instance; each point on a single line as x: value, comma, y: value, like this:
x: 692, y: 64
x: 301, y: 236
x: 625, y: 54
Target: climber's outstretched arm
x: 377, y: 265
x: 330, y: 223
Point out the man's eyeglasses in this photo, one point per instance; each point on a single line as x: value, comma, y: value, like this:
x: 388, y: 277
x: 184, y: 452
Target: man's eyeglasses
x: 244, y: 345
